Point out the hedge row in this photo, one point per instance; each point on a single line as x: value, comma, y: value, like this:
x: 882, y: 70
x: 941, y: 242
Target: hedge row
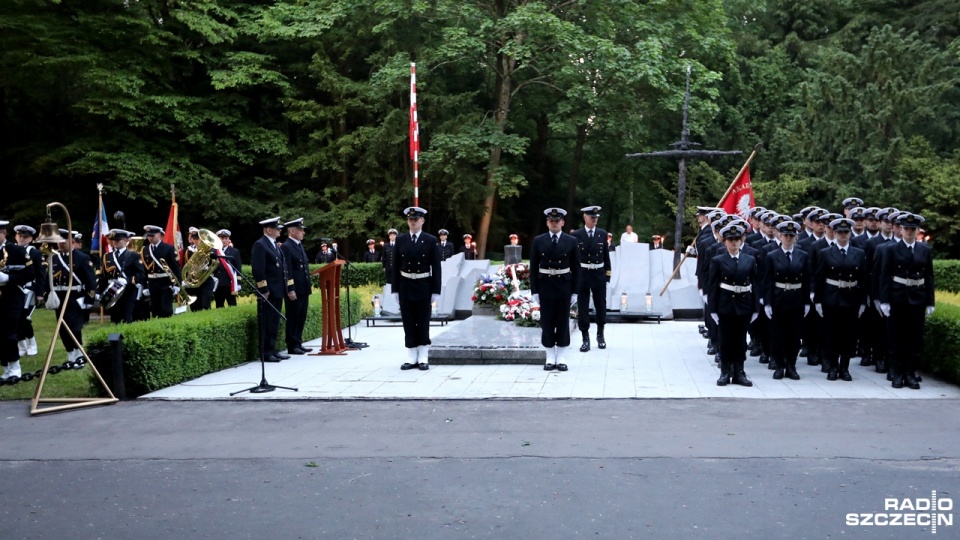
x: 946, y: 275
x: 941, y: 343
x: 354, y: 275
x: 163, y: 352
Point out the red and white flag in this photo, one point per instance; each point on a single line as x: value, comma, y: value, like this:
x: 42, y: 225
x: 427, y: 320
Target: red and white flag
x: 739, y: 198
x: 414, y: 134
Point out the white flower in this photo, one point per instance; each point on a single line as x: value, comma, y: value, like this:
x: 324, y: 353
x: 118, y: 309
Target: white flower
x: 535, y: 315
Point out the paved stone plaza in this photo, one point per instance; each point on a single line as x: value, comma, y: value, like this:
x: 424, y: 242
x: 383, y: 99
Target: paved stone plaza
x: 642, y: 360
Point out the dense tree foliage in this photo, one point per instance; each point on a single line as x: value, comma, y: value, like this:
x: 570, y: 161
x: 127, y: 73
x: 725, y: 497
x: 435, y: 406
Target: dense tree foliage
x: 300, y: 108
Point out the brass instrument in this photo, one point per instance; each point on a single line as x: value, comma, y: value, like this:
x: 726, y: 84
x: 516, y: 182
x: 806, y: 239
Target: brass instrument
x: 201, y: 266
x: 183, y: 299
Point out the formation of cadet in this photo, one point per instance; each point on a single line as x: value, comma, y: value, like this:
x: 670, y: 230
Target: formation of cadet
x: 415, y: 284
x: 555, y: 283
x: 17, y: 270
x: 823, y: 285
x: 594, y: 276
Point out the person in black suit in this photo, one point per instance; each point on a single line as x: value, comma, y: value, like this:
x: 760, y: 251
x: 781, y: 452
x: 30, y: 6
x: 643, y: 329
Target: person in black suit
x: 270, y: 275
x: 125, y: 267
x: 82, y: 293
x: 160, y: 288
x: 554, y: 281
x: 733, y: 303
x: 227, y: 285
x: 906, y: 298
x: 19, y: 272
x: 297, y: 300
x: 33, y: 290
x: 389, y: 254
x: 446, y: 248
x: 325, y: 255
x: 371, y: 255
x: 594, y: 276
x: 416, y: 284
x: 786, y: 298
x: 840, y: 297
x: 469, y: 248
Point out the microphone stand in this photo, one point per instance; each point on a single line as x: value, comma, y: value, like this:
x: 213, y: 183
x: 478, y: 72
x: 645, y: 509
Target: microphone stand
x: 349, y: 342
x: 264, y: 386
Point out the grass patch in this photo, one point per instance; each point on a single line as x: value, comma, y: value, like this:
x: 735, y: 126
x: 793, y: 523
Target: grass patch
x: 947, y: 297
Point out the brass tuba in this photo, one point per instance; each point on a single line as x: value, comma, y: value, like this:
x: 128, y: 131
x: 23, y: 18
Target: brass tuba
x: 201, y: 266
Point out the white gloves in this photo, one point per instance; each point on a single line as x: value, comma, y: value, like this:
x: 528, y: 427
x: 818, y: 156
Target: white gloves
x: 435, y: 298
x: 806, y: 310
x: 176, y: 290
x: 862, y: 309
x: 4, y: 277
x: 811, y: 297
x: 82, y: 303
x: 573, y: 298
x: 929, y: 311
x: 819, y: 308
x: 396, y: 297
x: 706, y: 299
x: 122, y: 281
x: 692, y: 251
x: 876, y: 304
x: 139, y: 291
x: 885, y: 310
x: 769, y: 311
x: 536, y: 298
x: 715, y: 317
x: 754, y: 317
x: 146, y: 292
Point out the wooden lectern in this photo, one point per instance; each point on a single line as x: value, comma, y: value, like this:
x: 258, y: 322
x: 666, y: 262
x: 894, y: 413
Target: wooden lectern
x: 329, y: 275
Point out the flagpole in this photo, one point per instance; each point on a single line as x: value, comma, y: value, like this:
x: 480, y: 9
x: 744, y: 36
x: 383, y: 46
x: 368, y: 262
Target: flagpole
x: 725, y: 193
x: 414, y: 134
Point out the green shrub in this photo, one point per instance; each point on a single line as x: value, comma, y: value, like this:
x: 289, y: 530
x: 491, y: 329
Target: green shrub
x: 941, y: 343
x: 357, y: 275
x: 163, y: 352
x: 946, y: 275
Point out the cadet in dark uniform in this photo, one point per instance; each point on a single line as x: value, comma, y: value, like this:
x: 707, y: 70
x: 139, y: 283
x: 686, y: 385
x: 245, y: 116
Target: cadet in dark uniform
x: 228, y: 285
x: 33, y: 290
x: 840, y: 296
x: 850, y: 203
x: 446, y: 248
x: 594, y: 276
x: 706, y: 245
x: 878, y: 338
x: 469, y: 250
x: 657, y: 242
x: 554, y: 282
x: 371, y: 255
x: 19, y: 271
x: 325, y: 255
x: 297, y: 300
x: 270, y: 275
x: 786, y: 298
x: 123, y: 266
x: 906, y: 298
x: 389, y: 254
x: 733, y: 303
x: 82, y: 293
x: 203, y: 293
x: 160, y: 288
x: 416, y: 285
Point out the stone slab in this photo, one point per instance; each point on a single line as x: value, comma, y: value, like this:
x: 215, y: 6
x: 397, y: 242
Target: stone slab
x: 486, y: 340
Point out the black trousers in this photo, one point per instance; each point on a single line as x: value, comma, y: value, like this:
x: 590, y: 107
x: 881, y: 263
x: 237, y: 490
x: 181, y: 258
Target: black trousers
x: 761, y: 333
x: 415, y: 315
x: 733, y: 337
x: 204, y: 298
x: 840, y: 332
x: 296, y: 311
x: 224, y: 296
x: 73, y: 318
x: 161, y: 298
x: 811, y: 333
x: 599, y: 304
x: 784, y: 331
x: 872, y: 335
x: 122, y: 311
x: 905, y: 325
x: 25, y: 329
x: 11, y: 308
x: 555, y: 322
x: 270, y: 323
x: 712, y: 335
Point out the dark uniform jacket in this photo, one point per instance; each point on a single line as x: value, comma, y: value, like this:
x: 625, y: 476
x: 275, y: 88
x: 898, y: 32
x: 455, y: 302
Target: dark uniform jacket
x: 371, y: 256
x: 389, y: 256
x: 849, y: 268
x: 268, y: 269
x: 298, y: 267
x: 15, y: 256
x: 446, y: 250
x: 420, y: 258
x: 469, y: 253
x: 593, y: 251
x: 796, y: 270
x: 704, y: 240
x: 39, y: 282
x: 564, y: 254
x: 163, y: 252
x: 223, y: 278
x: 875, y: 248
x: 743, y: 272
x: 85, y: 276
x: 328, y: 257
x: 127, y: 266
x: 902, y: 263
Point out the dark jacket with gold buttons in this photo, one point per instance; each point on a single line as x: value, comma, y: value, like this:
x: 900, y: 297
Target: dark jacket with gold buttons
x: 268, y: 269
x: 420, y: 258
x: 85, y: 275
x: 848, y: 268
x: 899, y: 261
x: 593, y: 251
x: 297, y: 264
x: 743, y: 272
x: 565, y: 254
x: 793, y: 271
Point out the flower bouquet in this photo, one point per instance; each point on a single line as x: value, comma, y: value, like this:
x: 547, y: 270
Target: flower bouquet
x: 516, y: 277
x: 521, y: 310
x: 490, y: 290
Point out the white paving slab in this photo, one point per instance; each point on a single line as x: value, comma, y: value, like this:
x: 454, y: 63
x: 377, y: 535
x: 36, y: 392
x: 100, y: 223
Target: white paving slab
x: 644, y: 360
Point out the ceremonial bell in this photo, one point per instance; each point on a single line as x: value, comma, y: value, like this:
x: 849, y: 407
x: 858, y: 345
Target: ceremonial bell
x: 49, y: 234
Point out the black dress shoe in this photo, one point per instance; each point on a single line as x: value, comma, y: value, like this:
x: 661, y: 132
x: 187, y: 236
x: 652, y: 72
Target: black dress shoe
x: 756, y: 350
x: 711, y: 349
x: 891, y: 376
x: 716, y: 358
x: 912, y: 382
x: 764, y: 359
x: 792, y: 373
x: 740, y: 378
x: 602, y: 343
x: 897, y: 381
x: 305, y: 349
x: 803, y: 351
x: 778, y: 374
x: 845, y: 375
x: 866, y: 361
x: 918, y: 377
x: 270, y: 358
x: 701, y: 327
x: 296, y: 350
x: 563, y: 367
x: 585, y: 347
x: 549, y: 367
x: 880, y: 366
x: 408, y: 365
x: 281, y: 356
x: 423, y: 366
x: 812, y: 360
x: 832, y: 375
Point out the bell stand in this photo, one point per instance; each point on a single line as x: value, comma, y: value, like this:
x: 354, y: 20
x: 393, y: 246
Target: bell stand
x: 66, y: 403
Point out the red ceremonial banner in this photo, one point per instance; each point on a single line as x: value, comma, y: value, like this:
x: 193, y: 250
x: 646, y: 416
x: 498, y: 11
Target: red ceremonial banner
x: 739, y: 200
